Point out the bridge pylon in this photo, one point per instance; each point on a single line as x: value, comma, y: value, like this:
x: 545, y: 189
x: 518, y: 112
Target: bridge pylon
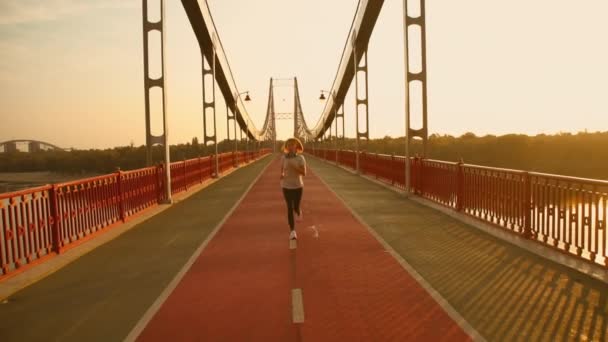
x: 414, y: 25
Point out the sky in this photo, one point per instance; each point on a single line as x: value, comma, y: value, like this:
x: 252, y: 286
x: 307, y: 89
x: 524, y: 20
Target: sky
x: 71, y: 71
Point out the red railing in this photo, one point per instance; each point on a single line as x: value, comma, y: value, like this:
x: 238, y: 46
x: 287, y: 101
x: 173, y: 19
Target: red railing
x: 566, y: 213
x: 389, y: 169
x: 26, y: 220
x: 38, y: 223
x: 140, y: 189
x: 494, y: 195
x: 227, y: 161
x: 85, y: 207
x: 347, y: 158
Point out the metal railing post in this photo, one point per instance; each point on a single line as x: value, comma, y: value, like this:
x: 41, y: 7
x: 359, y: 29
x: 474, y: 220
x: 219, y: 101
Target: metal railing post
x: 121, y: 205
x: 460, y: 185
x: 185, y: 176
x: 527, y: 204
x: 214, y: 163
x: 200, y: 169
x: 393, y: 168
x: 53, y: 206
x: 161, y: 183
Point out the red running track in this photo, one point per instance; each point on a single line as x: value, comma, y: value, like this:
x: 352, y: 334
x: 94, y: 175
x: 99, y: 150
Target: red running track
x: 239, y: 288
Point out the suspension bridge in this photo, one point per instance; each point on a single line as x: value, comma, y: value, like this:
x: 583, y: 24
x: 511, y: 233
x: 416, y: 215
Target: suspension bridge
x: 390, y: 247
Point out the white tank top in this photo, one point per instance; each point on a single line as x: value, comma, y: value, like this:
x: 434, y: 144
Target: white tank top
x: 292, y: 179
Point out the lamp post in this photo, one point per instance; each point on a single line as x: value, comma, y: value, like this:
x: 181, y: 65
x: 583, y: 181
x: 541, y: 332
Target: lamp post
x: 236, y: 101
x: 168, y: 199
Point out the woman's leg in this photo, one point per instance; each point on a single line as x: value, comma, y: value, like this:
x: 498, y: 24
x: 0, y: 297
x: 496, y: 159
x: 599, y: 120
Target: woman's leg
x: 287, y: 193
x: 297, y: 198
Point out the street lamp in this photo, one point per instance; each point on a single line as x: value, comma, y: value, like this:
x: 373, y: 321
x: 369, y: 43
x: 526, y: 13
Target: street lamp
x: 333, y: 96
x: 236, y: 100
x: 323, y: 92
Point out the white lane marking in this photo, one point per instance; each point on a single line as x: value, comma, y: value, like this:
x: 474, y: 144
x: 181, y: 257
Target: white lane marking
x: 170, y: 242
x: 293, y: 244
x: 145, y: 319
x: 297, y: 306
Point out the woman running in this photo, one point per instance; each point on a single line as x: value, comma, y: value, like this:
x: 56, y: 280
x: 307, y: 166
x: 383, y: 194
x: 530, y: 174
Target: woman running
x: 293, y: 167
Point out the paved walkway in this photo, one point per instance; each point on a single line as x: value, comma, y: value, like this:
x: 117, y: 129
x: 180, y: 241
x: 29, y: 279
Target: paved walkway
x: 240, y: 287
x: 503, y: 291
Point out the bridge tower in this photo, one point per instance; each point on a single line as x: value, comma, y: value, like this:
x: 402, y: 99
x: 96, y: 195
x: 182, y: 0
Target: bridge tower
x: 149, y: 83
x: 414, y: 24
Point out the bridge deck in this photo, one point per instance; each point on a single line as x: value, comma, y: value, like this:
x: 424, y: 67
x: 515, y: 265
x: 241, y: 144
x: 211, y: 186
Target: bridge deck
x: 239, y: 287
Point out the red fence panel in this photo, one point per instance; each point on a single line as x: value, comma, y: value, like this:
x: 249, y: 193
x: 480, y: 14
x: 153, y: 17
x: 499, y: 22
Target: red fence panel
x: 438, y: 182
x: 348, y: 159
x: 140, y: 189
x: 387, y: 168
x: 569, y: 214
x: 331, y: 155
x: 25, y: 227
x: 397, y: 171
x: 367, y: 163
x: 178, y: 177
x: 197, y: 171
x: 226, y: 161
x: 85, y: 207
x: 496, y: 196
x: 239, y: 158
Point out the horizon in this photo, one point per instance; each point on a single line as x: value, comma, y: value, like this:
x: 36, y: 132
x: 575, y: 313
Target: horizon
x: 431, y: 136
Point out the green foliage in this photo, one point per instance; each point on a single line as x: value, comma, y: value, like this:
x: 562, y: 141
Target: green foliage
x: 582, y: 155
x: 105, y: 161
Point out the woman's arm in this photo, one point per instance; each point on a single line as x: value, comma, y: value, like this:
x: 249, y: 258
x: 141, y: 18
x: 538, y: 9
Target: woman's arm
x: 282, y: 168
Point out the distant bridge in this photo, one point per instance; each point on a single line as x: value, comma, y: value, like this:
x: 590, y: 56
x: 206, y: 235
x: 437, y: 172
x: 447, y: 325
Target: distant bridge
x: 32, y: 146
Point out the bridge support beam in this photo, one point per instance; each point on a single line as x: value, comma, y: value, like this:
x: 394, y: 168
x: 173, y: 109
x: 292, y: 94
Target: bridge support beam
x: 271, y: 115
x: 150, y: 83
x: 210, y: 131
x: 329, y: 133
x: 414, y: 24
x: 339, y: 114
x: 231, y: 116
x: 301, y: 130
x: 361, y: 99
x: 296, y: 124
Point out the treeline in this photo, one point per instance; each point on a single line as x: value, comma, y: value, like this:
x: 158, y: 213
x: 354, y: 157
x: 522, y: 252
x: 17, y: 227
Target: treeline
x: 104, y: 161
x: 581, y: 155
